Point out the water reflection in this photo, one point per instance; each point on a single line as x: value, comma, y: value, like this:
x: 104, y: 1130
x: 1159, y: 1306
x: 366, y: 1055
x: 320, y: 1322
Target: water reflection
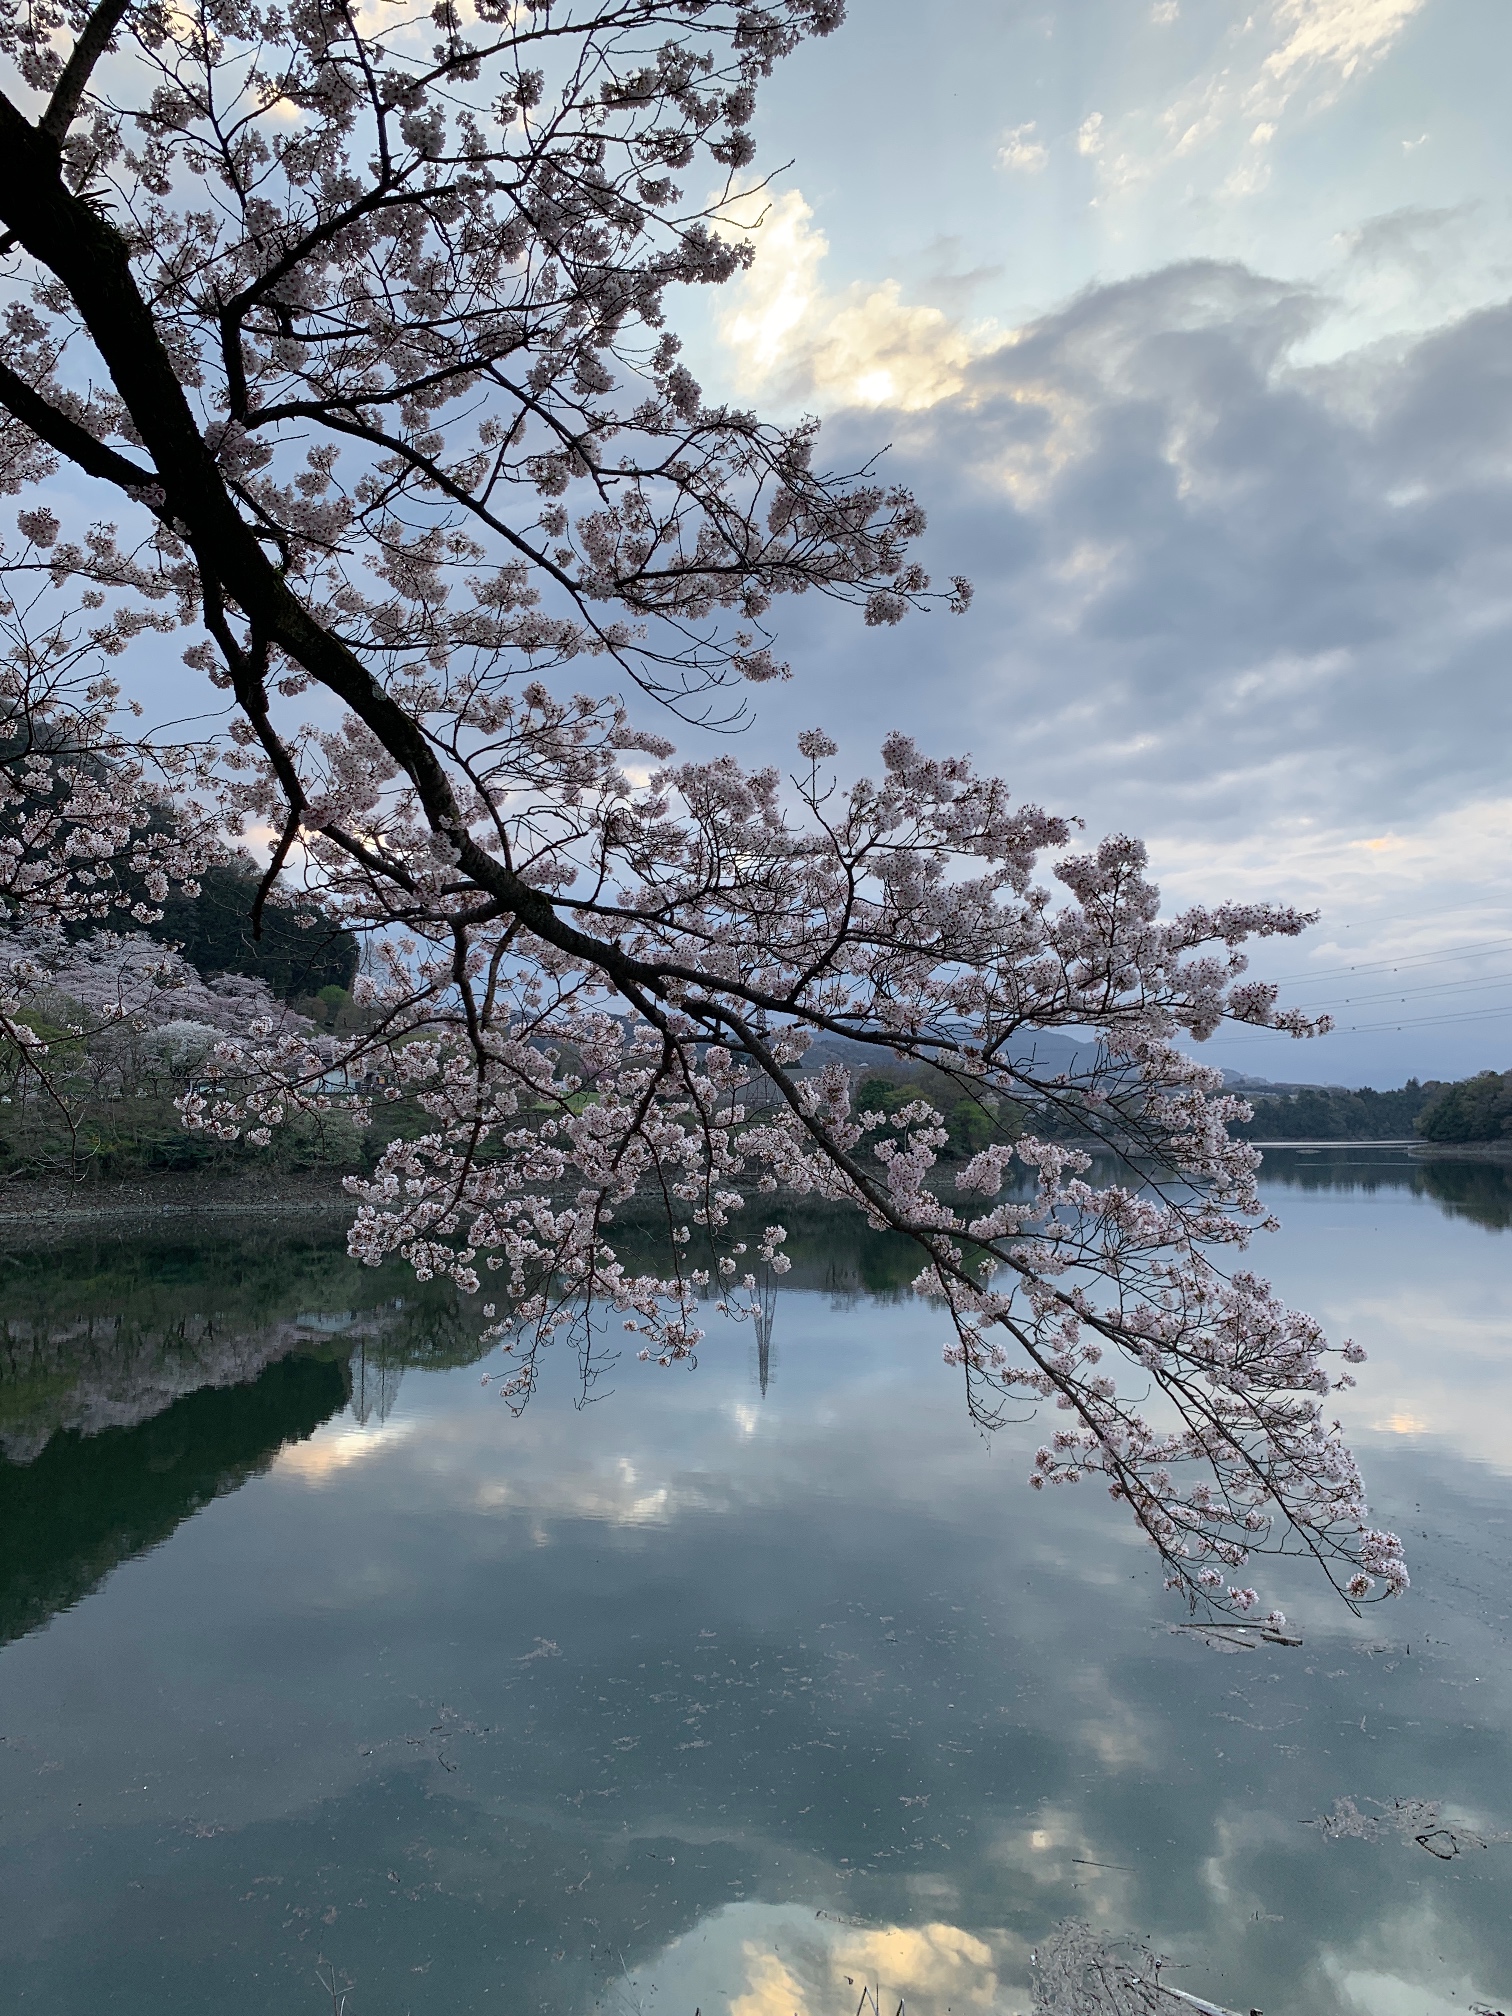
x: 84, y: 1504
x: 1477, y: 1189
x: 109, y: 1332
x: 733, y: 1692
x: 140, y: 1380
x: 779, y: 1960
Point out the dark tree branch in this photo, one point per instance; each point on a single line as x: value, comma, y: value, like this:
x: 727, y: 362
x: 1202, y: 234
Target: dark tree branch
x: 63, y: 106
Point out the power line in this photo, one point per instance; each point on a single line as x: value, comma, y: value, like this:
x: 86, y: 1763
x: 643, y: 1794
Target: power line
x: 1407, y: 993
x: 1367, y: 1028
x: 1477, y: 949
x: 1425, y: 1021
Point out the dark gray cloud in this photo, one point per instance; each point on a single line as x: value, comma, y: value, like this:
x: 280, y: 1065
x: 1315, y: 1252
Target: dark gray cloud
x: 1216, y: 587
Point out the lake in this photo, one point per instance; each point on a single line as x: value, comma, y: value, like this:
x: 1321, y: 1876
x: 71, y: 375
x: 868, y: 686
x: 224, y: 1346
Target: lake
x: 735, y: 1689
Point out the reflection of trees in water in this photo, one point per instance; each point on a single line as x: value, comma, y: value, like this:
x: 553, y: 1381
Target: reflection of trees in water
x: 766, y: 1313
x: 440, y: 1332
x: 90, y: 1502
x: 1478, y: 1190
x: 432, y: 1327
x: 831, y: 1248
x: 107, y: 1331
x: 1465, y: 1188
x: 375, y: 1380
x: 139, y: 1380
x: 106, y: 1334
x: 840, y: 1255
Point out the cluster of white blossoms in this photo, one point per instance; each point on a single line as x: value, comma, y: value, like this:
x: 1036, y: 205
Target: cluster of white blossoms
x: 366, y: 340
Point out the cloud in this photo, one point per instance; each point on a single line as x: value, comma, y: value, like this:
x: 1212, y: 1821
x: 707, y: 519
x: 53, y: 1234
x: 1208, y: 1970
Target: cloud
x: 864, y: 346
x: 1335, y: 35
x: 1291, y: 60
x: 1238, y: 585
x: 1416, y: 268
x: 1323, y: 45
x: 1466, y: 849
x: 1021, y: 151
x: 1254, y: 607
x: 1238, y: 565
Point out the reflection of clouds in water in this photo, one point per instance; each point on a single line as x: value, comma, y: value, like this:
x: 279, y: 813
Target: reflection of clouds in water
x: 754, y: 1959
x: 617, y: 1496
x: 772, y: 1988
x: 1054, y: 1852
x: 826, y: 1656
x: 1117, y: 1744
x: 1117, y: 1733
x: 927, y: 1963
x: 1389, y: 1975
x: 670, y: 1460
x: 1435, y: 1370
x: 1246, y: 1839
x: 663, y: 1447
x: 1389, y: 1251
x: 1439, y: 1365
x: 1372, y: 1993
x: 1385, y: 1970
x: 330, y: 1451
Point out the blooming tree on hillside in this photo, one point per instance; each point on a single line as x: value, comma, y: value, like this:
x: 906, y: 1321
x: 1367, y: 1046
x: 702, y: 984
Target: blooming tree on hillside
x: 356, y: 322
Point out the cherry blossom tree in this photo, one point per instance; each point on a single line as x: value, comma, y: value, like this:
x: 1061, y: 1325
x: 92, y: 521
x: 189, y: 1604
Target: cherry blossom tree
x: 356, y: 319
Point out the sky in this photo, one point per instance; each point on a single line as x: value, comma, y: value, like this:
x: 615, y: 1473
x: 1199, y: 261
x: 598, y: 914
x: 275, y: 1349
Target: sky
x: 1189, y: 323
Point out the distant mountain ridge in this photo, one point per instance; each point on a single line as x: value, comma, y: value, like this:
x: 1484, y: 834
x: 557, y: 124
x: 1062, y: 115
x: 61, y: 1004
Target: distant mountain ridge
x: 1044, y: 1052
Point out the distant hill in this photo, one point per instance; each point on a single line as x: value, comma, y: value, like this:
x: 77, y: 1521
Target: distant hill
x: 1271, y: 1088
x: 1042, y: 1053
x: 300, y: 950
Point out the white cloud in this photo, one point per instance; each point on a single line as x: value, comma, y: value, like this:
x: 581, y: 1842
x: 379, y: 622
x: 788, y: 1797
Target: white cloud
x: 863, y: 346
x: 1291, y: 61
x: 1341, y: 35
x: 1021, y: 152
x: 775, y: 299
x: 1359, y: 869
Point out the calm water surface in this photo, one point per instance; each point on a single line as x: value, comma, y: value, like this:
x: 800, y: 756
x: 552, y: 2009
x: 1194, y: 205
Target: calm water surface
x: 734, y: 1689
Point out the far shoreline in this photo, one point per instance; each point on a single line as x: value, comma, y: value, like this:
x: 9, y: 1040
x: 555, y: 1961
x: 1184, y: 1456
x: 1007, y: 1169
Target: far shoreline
x: 1473, y: 1151
x: 162, y: 1201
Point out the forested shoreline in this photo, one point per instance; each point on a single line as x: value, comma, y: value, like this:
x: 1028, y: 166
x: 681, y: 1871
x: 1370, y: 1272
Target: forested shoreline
x: 130, y: 1024
x: 128, y: 1069
x: 1469, y: 1111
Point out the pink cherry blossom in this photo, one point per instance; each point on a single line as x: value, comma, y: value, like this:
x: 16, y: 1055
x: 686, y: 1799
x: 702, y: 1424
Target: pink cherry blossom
x: 365, y: 345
